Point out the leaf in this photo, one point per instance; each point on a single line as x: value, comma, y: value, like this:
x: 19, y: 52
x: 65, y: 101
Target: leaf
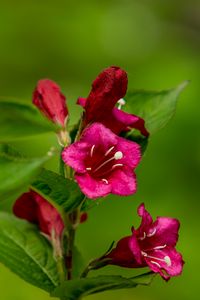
x: 58, y: 190
x: 27, y: 253
x: 156, y: 108
x: 16, y: 171
x: 78, y: 288
x: 19, y: 120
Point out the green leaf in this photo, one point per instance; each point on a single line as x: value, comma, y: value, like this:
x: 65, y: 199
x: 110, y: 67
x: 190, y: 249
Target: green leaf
x: 27, y: 253
x: 16, y: 171
x: 19, y: 120
x: 58, y: 190
x: 156, y: 108
x: 78, y: 288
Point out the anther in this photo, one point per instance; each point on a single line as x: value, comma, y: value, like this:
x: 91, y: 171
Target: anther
x: 92, y: 150
x: 121, y: 102
x: 88, y: 169
x: 168, y: 260
x: 118, y: 155
x: 105, y: 180
x: 151, y: 233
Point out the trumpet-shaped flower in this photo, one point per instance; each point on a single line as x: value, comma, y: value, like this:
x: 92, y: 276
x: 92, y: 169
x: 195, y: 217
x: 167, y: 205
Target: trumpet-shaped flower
x: 108, y: 89
x: 103, y: 162
x: 152, y: 244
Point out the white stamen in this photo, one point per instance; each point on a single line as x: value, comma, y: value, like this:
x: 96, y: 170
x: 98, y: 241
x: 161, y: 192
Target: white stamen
x: 121, y: 102
x: 168, y: 260
x: 105, y: 180
x: 152, y: 233
x: 92, y: 150
x: 88, y: 169
x: 117, y: 165
x: 118, y: 155
x: 159, y: 247
x: 143, y: 237
x: 155, y: 263
x: 109, y: 150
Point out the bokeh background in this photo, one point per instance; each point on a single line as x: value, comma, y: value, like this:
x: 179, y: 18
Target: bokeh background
x: 158, y: 43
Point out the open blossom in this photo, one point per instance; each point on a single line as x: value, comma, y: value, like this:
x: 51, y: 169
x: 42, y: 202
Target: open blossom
x: 103, y: 162
x: 35, y: 209
x: 50, y: 101
x: 108, y: 89
x: 152, y: 244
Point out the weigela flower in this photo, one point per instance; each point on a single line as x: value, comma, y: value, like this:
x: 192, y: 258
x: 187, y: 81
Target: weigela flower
x: 152, y: 244
x: 103, y: 162
x: 35, y: 209
x: 50, y: 101
x: 107, y: 89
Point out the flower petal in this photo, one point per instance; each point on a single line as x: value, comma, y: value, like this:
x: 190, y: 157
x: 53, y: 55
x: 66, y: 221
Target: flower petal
x: 131, y: 152
x: 99, y: 135
x: 107, y: 89
x: 167, y: 259
x: 91, y: 187
x: 75, y: 154
x: 119, y: 121
x: 123, y: 182
x: 146, y: 221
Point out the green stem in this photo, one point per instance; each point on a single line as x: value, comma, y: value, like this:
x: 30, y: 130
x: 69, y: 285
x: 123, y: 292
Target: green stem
x: 60, y: 268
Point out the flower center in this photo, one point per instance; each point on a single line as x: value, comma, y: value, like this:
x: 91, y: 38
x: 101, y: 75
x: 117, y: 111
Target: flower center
x: 100, y: 164
x: 166, y: 259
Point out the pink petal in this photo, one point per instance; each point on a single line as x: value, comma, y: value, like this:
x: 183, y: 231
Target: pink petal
x: 99, y: 135
x: 91, y: 187
x: 123, y: 182
x: 146, y: 221
x: 75, y: 154
x: 172, y: 264
x: 119, y: 121
x: 131, y: 152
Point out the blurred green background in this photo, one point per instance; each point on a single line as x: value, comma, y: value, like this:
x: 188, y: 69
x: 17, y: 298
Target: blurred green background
x: 158, y: 43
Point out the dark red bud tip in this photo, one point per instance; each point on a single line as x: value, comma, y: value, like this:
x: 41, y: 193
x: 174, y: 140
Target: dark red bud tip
x: 83, y: 217
x: 50, y: 101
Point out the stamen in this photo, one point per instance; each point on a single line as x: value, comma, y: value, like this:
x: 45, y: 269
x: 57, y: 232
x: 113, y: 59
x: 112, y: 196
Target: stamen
x: 109, y: 150
x: 143, y: 237
x: 155, y: 263
x: 89, y: 169
x: 105, y: 180
x: 118, y: 155
x: 117, y: 165
x: 92, y: 150
x: 152, y: 233
x: 121, y: 102
x: 155, y: 248
x: 166, y: 259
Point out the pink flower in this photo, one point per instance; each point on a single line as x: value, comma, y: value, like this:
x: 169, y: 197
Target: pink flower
x: 152, y: 244
x: 103, y: 162
x: 107, y: 89
x: 50, y: 101
x: 35, y: 209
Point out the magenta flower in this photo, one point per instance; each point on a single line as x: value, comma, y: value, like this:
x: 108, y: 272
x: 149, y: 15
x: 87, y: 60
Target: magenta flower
x: 152, y: 244
x: 108, y: 89
x: 35, y: 209
x: 103, y: 162
x: 50, y: 101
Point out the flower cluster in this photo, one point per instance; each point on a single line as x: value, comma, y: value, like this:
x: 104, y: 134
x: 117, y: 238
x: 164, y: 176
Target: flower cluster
x: 103, y: 162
